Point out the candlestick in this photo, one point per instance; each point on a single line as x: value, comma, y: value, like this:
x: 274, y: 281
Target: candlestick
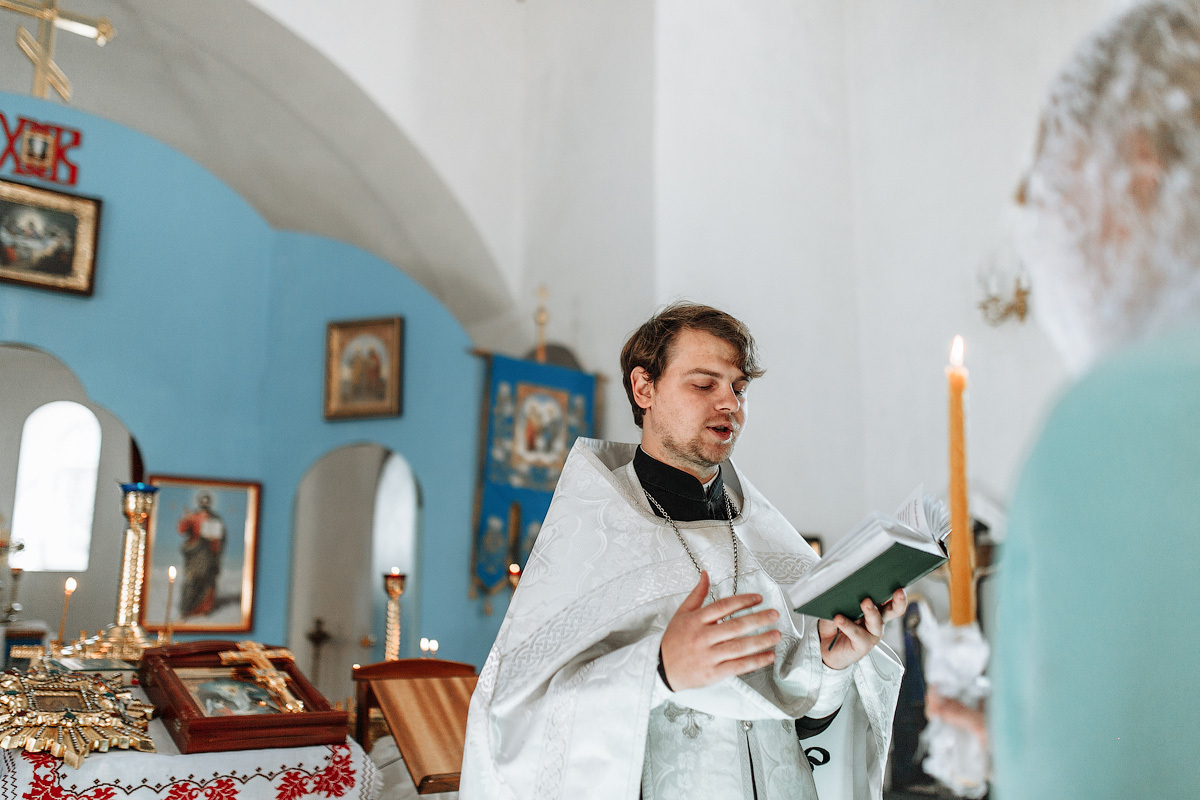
x: 962, y: 545
x: 171, y: 573
x: 68, y: 590
x: 125, y: 639
x: 393, y: 584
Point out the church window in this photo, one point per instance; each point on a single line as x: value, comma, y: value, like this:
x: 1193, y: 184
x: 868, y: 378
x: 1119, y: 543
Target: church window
x: 56, y: 488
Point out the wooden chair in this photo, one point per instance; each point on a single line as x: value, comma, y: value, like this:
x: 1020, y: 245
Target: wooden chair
x: 424, y: 702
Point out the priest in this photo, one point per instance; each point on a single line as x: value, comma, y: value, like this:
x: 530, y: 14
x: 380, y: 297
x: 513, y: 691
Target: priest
x: 650, y: 650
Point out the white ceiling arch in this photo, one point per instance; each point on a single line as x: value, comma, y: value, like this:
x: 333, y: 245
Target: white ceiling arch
x: 231, y: 88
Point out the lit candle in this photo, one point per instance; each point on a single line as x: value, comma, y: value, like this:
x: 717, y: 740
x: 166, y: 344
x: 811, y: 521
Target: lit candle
x: 395, y: 570
x: 433, y: 646
x: 514, y: 574
x: 424, y: 647
x: 962, y: 546
x: 68, y: 590
x: 170, y: 594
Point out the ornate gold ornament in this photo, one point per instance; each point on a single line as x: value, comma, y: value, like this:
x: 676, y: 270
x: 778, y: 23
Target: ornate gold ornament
x: 40, y: 49
x: 70, y: 714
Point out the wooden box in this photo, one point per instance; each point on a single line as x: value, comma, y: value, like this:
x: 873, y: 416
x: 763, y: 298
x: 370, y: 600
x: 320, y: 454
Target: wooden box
x: 208, y: 706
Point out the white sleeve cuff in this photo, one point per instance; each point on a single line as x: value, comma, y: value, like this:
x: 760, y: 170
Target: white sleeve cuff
x: 834, y: 684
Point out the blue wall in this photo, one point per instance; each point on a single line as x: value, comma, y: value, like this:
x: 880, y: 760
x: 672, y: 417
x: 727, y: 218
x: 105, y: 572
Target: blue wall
x: 206, y: 336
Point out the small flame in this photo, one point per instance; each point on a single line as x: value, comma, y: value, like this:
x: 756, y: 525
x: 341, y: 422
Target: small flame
x: 395, y: 570
x: 424, y: 643
x: 514, y: 569
x: 956, y: 353
x: 433, y: 645
x: 71, y: 585
x: 171, y: 573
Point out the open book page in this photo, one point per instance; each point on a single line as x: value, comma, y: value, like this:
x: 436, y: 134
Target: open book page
x: 880, y: 550
x: 912, y: 511
x: 925, y: 513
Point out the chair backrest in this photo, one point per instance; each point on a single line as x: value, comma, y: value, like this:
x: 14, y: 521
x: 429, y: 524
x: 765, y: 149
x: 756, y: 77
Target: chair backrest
x: 424, y: 703
x: 412, y: 668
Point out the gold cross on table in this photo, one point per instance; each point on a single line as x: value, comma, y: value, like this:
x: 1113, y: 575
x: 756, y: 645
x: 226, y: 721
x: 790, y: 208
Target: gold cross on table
x: 40, y: 51
x: 264, y: 672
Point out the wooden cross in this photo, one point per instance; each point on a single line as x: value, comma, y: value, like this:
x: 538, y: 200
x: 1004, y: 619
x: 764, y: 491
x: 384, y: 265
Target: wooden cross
x: 40, y: 51
x: 264, y: 672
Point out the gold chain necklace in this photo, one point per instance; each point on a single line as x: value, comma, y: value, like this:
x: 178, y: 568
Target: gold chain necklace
x: 732, y: 538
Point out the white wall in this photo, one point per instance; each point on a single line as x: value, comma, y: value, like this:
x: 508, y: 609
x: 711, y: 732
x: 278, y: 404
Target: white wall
x: 753, y: 211
x: 944, y: 98
x: 589, y: 201
x: 835, y: 173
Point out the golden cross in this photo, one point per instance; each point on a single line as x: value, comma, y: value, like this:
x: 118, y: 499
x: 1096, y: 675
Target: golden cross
x: 264, y: 672
x: 40, y: 51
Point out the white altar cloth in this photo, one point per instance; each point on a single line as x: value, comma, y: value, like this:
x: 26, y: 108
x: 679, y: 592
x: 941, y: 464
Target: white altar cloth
x: 340, y: 771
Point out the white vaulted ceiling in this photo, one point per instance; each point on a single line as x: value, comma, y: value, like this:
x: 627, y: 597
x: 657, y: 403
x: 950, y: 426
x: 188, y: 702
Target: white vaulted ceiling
x: 230, y: 87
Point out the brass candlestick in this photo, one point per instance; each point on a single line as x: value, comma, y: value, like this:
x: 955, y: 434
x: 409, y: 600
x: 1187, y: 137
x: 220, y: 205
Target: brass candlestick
x: 126, y: 639
x: 393, y: 584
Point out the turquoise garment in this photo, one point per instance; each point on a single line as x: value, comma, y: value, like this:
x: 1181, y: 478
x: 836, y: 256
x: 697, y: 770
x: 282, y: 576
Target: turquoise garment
x: 1097, y: 650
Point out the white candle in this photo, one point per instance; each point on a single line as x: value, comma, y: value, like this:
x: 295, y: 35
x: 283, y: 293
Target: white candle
x: 68, y: 590
x: 171, y: 573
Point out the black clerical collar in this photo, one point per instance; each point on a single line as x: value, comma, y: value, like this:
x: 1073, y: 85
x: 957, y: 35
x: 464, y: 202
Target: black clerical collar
x: 680, y: 494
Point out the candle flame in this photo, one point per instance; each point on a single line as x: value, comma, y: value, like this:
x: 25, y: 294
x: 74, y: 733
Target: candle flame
x: 424, y: 643
x: 956, y: 352
x: 171, y: 573
x: 70, y: 586
x: 433, y: 645
x: 514, y: 569
x: 395, y: 570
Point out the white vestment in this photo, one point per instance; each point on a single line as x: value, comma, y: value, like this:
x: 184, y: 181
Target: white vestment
x: 569, y: 703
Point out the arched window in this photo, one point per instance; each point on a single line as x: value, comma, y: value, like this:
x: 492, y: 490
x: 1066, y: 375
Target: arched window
x: 56, y: 488
x: 395, y: 516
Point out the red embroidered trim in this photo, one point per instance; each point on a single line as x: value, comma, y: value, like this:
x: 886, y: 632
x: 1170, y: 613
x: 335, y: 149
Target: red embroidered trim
x: 333, y: 781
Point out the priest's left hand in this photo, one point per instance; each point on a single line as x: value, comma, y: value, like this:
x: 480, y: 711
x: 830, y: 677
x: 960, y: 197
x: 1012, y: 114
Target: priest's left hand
x: 857, y: 638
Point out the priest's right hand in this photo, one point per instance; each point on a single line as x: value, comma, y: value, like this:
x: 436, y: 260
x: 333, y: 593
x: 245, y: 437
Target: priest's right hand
x: 699, y: 649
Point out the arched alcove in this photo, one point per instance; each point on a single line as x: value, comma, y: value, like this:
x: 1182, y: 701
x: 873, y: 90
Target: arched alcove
x: 356, y: 516
x: 32, y: 379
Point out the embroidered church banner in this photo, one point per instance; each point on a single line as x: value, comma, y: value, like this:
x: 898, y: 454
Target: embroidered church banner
x: 534, y: 414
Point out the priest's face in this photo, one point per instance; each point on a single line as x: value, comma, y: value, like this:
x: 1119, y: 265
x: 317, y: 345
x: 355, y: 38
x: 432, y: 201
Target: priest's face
x: 695, y: 411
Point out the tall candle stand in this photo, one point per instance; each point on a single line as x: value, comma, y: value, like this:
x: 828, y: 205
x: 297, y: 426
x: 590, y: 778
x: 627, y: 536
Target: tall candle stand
x: 393, y: 584
x: 125, y: 639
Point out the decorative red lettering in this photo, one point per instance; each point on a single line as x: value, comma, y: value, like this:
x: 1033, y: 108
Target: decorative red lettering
x: 10, y: 141
x: 66, y: 139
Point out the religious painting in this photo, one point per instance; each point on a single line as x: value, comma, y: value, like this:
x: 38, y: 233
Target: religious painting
x: 533, y: 414
x: 207, y: 529
x: 364, y: 368
x: 226, y: 692
x: 47, y: 238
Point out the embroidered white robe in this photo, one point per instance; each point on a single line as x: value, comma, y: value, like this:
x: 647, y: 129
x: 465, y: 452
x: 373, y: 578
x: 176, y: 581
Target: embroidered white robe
x: 569, y: 704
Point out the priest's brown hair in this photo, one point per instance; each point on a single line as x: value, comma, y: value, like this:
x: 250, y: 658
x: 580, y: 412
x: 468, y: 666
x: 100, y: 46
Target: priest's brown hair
x: 650, y: 346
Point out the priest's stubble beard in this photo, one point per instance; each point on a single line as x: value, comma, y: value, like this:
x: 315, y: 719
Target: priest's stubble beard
x: 695, y: 452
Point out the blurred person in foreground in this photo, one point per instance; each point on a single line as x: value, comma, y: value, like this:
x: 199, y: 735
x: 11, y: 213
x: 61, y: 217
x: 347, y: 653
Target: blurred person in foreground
x: 1096, y: 648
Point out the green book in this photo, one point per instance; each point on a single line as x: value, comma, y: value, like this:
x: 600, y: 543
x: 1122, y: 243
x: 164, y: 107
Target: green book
x: 880, y: 555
